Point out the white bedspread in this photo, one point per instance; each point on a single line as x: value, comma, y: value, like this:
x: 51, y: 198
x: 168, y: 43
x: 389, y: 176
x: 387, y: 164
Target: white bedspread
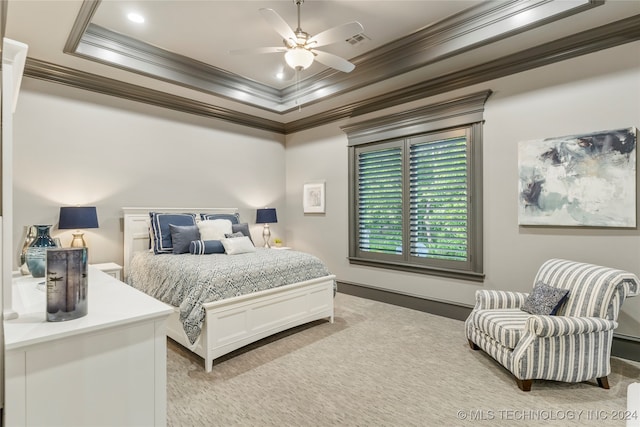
x: 187, y: 281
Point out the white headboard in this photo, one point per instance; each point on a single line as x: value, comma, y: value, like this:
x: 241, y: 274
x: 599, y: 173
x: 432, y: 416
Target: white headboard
x: 136, y: 227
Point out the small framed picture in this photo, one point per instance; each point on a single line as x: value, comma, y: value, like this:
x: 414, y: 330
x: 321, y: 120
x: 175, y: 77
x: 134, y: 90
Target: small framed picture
x: 313, y: 197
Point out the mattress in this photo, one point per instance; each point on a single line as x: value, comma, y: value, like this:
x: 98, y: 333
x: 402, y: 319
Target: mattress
x: 187, y: 281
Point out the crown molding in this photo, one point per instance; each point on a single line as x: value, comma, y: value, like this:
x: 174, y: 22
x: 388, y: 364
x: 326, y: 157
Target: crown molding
x: 114, y: 49
x: 95, y: 83
x: 604, y: 37
x: 472, y: 28
x: 87, y: 10
x: 465, y: 109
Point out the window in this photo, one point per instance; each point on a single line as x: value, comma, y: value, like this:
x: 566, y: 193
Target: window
x: 416, y: 190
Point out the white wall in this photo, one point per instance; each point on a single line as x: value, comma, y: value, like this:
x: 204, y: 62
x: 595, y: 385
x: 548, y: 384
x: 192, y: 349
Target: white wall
x: 77, y: 147
x: 595, y: 92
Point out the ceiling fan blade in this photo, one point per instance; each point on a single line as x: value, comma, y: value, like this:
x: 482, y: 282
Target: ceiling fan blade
x: 333, y: 61
x: 335, y: 34
x: 252, y: 50
x: 278, y: 24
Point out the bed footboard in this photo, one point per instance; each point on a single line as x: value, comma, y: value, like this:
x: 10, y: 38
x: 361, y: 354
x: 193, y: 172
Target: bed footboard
x: 235, y: 322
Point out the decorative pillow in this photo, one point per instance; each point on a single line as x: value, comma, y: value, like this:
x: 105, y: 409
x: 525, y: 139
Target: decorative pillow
x: 243, y: 228
x: 234, y: 218
x: 234, y: 235
x: 214, y: 229
x: 544, y: 299
x: 206, y: 247
x: 162, y: 233
x: 238, y: 245
x: 181, y: 237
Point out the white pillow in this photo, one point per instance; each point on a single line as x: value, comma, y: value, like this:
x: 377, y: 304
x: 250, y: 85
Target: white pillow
x: 238, y: 245
x: 214, y: 229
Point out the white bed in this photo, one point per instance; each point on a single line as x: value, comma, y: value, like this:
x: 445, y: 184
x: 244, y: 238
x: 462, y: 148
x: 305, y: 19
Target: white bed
x: 235, y: 322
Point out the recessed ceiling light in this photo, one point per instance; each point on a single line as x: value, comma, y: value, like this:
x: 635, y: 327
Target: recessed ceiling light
x: 280, y: 75
x: 135, y: 17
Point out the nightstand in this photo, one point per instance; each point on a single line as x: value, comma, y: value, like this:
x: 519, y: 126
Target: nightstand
x: 281, y: 248
x: 111, y: 268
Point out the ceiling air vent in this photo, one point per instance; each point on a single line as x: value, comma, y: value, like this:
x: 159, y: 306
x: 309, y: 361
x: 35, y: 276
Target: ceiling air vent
x: 357, y: 39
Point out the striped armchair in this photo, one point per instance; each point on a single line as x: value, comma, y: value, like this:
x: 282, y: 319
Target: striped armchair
x: 574, y: 344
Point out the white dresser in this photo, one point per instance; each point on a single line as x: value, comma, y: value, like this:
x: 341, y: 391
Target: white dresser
x: 107, y: 368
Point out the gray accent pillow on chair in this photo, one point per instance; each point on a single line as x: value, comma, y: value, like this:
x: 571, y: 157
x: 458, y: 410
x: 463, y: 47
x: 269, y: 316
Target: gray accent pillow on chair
x: 544, y: 299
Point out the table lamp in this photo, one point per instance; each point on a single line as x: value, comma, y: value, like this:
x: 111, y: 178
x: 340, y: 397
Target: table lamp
x: 77, y: 217
x: 266, y: 216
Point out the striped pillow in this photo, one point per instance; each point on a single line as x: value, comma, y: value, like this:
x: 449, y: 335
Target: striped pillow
x: 206, y: 247
x: 160, y: 222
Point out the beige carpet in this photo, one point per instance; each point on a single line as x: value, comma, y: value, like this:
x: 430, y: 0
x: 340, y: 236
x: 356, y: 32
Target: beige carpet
x: 378, y: 365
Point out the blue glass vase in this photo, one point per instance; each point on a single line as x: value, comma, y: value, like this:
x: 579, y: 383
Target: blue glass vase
x: 37, y: 251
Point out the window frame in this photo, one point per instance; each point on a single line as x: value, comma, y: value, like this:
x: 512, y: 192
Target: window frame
x: 463, y: 114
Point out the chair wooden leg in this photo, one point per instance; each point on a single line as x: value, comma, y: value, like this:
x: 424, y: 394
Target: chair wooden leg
x: 524, y: 385
x: 473, y: 345
x: 603, y: 382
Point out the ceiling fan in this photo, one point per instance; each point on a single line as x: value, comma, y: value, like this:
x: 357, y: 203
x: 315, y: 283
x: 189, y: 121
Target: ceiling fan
x: 300, y: 47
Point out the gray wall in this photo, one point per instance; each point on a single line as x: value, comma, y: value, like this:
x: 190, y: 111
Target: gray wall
x: 75, y: 147
x: 595, y: 92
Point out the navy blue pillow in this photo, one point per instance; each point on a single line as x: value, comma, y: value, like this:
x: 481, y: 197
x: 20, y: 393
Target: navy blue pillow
x: 162, y: 232
x: 205, y: 247
x: 234, y: 218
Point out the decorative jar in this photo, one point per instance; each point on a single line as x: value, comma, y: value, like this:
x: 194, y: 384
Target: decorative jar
x: 37, y: 250
x: 30, y: 236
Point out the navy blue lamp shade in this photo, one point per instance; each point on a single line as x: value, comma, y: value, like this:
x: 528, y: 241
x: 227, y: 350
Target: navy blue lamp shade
x: 266, y: 216
x: 75, y: 218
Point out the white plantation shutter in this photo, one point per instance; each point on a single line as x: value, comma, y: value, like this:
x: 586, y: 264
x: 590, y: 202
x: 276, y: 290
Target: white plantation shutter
x: 439, y: 217
x: 380, y: 201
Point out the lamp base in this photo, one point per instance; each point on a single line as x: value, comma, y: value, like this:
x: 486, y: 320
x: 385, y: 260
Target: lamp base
x: 78, y: 240
x: 266, y: 235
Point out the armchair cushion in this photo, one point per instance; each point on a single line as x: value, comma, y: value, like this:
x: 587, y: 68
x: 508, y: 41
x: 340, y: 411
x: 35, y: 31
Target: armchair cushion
x: 544, y: 299
x: 555, y: 326
x: 506, y: 326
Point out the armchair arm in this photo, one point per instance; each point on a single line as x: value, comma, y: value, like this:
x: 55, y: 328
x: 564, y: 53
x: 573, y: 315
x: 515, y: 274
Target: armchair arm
x: 486, y: 299
x: 555, y: 326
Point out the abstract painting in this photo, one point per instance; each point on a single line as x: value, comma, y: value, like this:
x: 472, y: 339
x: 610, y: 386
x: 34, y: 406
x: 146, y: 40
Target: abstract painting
x: 579, y: 180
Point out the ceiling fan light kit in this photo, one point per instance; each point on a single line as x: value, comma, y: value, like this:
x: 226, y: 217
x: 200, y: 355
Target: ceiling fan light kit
x: 300, y: 48
x: 298, y: 58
